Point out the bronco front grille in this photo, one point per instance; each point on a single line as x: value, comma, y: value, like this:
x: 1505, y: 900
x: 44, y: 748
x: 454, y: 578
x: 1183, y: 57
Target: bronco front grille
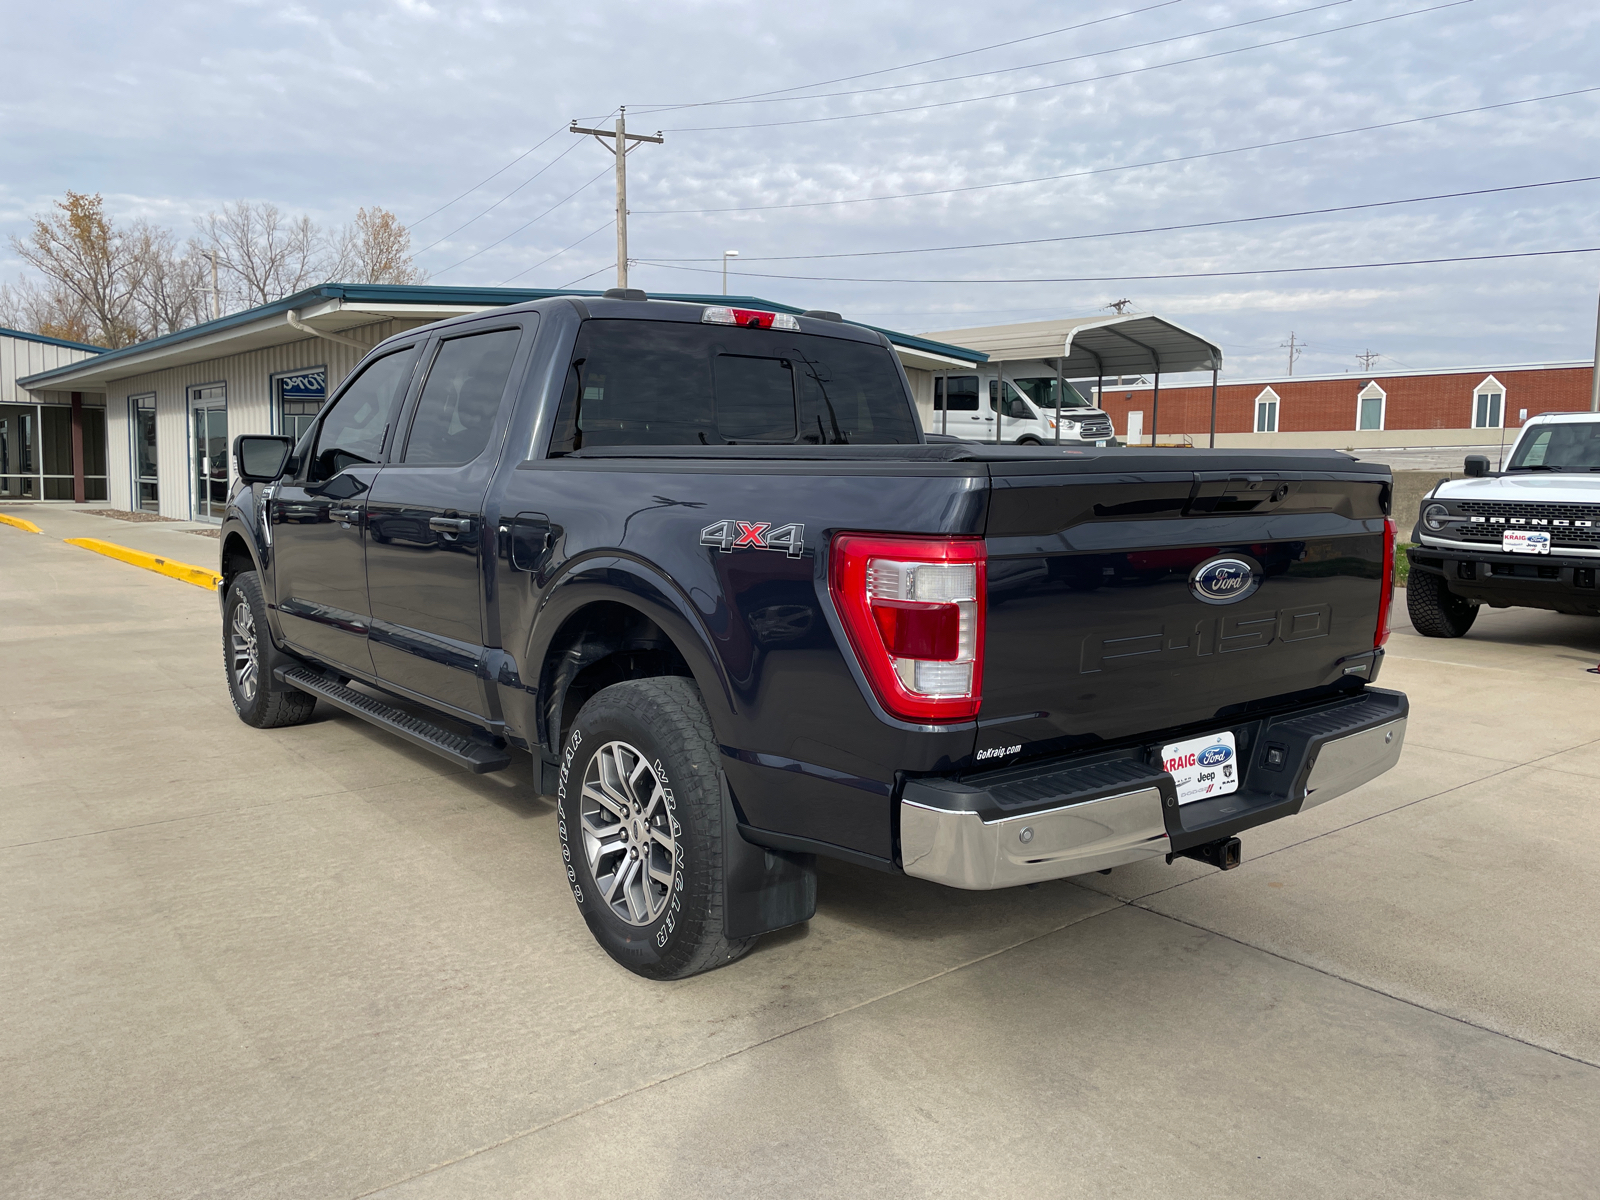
x: 1567, y: 524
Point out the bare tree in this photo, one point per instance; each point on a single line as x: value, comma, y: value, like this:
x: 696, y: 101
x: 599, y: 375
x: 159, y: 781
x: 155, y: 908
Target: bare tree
x: 374, y: 248
x: 265, y: 255
x: 86, y: 258
x: 173, y: 283
x: 51, y: 310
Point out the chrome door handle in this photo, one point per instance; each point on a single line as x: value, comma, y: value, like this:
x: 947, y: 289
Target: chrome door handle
x: 450, y: 524
x: 345, y: 514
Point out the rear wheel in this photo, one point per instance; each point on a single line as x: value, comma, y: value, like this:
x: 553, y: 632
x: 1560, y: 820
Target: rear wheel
x: 1434, y: 609
x: 641, y: 828
x: 245, y: 640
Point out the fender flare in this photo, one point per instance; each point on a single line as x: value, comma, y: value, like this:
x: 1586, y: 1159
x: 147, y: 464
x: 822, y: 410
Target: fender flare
x: 632, y: 583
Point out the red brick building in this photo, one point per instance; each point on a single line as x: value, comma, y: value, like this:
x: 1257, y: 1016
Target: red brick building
x: 1456, y: 399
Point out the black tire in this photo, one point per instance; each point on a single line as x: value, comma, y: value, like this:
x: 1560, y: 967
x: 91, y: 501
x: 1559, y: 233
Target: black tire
x: 1435, y: 610
x: 1029, y: 441
x: 246, y: 645
x: 662, y: 724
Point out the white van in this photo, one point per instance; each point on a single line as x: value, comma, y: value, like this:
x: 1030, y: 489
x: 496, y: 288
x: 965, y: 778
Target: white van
x: 1037, y: 411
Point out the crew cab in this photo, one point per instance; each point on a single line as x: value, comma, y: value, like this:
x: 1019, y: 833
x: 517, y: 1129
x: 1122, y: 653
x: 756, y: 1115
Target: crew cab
x: 703, y: 569
x: 1526, y: 537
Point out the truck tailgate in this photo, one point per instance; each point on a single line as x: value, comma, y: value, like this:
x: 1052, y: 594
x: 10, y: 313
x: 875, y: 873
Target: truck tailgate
x: 1097, y: 631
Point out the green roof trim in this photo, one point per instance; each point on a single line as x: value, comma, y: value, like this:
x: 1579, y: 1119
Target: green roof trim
x: 50, y: 341
x: 396, y: 293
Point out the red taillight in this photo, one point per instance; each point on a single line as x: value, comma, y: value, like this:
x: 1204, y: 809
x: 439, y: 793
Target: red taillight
x: 914, y: 611
x: 1386, y: 596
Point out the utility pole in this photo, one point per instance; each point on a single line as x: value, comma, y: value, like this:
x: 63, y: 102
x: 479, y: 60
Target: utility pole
x: 216, y: 296
x: 1368, y: 357
x: 1119, y: 306
x: 726, y: 255
x: 616, y: 140
x: 1294, y: 350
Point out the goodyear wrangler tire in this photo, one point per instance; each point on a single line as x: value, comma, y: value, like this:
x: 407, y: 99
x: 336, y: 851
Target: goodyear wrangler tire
x: 641, y: 828
x: 1435, y: 610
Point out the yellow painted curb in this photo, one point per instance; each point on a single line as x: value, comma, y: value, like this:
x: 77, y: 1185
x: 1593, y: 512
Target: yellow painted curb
x: 198, y: 576
x: 19, y: 523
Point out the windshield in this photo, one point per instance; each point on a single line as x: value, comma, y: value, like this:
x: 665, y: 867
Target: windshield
x: 1043, y: 391
x: 667, y: 383
x: 1562, y: 446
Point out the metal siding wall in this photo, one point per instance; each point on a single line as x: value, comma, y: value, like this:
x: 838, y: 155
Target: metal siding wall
x: 20, y: 357
x: 249, y: 382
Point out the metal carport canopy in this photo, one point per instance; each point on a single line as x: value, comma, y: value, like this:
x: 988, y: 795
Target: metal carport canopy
x: 1088, y: 346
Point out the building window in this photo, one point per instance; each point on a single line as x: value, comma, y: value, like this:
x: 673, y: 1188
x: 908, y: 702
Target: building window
x: 1267, y: 411
x: 146, y: 491
x: 1489, y: 404
x: 300, y: 396
x: 208, y: 414
x: 1370, y: 403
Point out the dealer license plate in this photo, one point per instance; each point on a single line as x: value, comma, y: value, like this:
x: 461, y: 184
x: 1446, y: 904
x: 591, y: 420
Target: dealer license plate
x: 1203, y: 766
x: 1524, y: 541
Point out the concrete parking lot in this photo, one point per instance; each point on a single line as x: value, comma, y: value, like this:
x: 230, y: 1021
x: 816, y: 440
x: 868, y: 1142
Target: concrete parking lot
x: 318, y: 962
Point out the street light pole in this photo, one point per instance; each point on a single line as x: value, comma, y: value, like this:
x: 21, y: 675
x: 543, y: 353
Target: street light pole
x: 726, y: 255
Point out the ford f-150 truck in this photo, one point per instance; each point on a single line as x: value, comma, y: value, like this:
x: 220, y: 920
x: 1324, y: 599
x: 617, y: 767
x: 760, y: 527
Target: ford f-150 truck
x: 1527, y: 537
x: 703, y: 565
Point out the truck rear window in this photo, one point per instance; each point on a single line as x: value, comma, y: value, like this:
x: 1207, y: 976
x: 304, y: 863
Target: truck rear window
x: 661, y: 383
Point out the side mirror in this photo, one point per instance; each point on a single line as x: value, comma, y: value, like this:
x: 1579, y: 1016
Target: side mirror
x: 260, y: 458
x: 1477, y: 465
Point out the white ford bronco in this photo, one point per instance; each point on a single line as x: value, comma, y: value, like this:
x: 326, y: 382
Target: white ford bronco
x: 1527, y: 536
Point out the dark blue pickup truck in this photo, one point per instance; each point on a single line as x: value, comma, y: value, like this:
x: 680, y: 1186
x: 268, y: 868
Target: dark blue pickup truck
x: 703, y: 565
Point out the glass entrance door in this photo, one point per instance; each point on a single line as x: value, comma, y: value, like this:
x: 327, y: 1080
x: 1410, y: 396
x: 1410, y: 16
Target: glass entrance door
x: 146, y: 485
x: 210, y: 409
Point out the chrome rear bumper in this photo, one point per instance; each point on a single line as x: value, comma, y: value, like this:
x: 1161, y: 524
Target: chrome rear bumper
x: 951, y: 833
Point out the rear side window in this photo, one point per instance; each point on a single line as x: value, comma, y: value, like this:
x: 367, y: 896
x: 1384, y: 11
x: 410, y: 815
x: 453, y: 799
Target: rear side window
x: 461, y: 400
x: 962, y: 391
x: 354, y: 428
x: 661, y: 383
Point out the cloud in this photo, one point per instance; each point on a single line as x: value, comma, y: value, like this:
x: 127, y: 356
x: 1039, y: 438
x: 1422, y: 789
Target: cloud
x: 171, y: 109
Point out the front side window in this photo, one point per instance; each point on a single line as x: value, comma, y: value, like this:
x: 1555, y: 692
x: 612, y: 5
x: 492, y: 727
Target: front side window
x: 354, y: 429
x: 1563, y: 446
x: 668, y: 383
x: 1043, y: 392
x: 1016, y: 408
x: 459, y: 404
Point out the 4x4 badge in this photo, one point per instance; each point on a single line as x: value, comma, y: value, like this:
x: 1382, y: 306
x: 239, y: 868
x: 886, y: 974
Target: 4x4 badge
x: 729, y: 536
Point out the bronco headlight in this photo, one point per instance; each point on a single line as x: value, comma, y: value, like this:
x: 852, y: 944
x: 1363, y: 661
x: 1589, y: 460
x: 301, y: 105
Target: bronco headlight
x: 1435, y: 516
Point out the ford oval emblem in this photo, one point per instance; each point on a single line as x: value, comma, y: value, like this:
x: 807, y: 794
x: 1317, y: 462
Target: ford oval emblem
x: 1213, y: 756
x: 1224, y: 580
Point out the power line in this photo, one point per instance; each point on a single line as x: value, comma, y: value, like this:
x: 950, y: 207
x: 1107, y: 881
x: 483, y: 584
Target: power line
x: 1154, y: 162
x: 581, y: 278
x: 502, y: 199
x: 1080, y: 237
x: 1410, y: 262
x: 1032, y: 37
x: 1046, y: 87
x: 525, y: 224
x: 500, y: 172
x: 1054, y: 62
x: 559, y: 253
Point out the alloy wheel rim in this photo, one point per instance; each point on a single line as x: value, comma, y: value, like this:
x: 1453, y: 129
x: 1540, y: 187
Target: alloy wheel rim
x: 246, y: 659
x: 627, y: 833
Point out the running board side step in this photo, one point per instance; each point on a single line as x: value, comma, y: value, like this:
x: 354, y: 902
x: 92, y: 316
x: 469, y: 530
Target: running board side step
x: 477, y: 756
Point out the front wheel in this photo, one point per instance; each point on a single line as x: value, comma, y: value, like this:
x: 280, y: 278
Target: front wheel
x: 245, y: 640
x: 1029, y: 441
x: 1434, y: 609
x: 641, y: 828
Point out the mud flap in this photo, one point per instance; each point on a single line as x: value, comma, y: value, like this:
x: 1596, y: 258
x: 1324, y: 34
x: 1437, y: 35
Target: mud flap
x: 763, y: 889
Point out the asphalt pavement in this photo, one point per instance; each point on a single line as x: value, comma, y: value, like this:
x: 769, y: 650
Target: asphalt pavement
x: 319, y: 962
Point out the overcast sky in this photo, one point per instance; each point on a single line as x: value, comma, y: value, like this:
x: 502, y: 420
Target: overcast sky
x: 171, y: 109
